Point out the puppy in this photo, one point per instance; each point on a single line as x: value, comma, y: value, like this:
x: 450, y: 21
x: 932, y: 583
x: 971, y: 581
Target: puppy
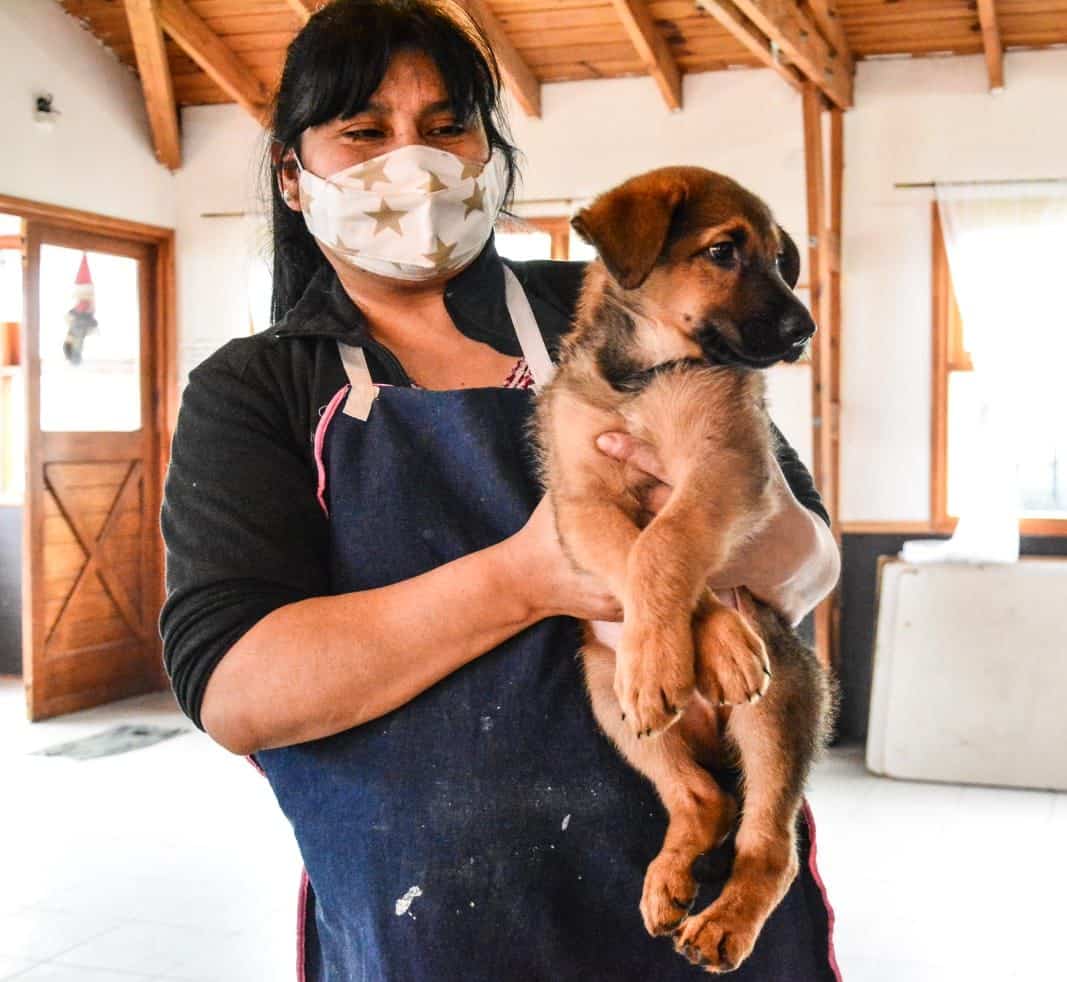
x: 691, y: 296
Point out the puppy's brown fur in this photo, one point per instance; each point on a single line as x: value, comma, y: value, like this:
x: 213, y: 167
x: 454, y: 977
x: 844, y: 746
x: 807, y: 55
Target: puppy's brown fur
x: 687, y: 300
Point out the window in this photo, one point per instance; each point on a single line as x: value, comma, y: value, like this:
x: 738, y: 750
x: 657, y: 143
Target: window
x: 541, y: 238
x: 1030, y: 332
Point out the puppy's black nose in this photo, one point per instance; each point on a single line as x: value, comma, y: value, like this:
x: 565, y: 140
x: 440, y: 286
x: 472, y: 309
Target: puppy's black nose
x: 796, y: 326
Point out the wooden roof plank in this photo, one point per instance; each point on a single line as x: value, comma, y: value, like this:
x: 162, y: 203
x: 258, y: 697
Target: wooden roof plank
x: 211, y: 54
x: 520, y: 80
x: 156, y: 82
x: 994, y: 48
x: 828, y: 20
x: 787, y: 27
x: 653, y: 49
x: 727, y: 14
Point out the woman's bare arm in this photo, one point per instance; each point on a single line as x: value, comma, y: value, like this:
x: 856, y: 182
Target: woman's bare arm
x: 320, y: 666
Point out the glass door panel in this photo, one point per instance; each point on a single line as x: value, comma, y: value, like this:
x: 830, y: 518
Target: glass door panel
x: 90, y: 341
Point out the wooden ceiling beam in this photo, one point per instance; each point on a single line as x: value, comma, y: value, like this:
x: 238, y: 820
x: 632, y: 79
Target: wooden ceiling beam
x: 303, y: 9
x: 752, y: 38
x: 796, y: 37
x: 652, y: 47
x: 518, y: 77
x: 994, y: 48
x: 156, y: 83
x: 207, y: 49
x: 828, y: 20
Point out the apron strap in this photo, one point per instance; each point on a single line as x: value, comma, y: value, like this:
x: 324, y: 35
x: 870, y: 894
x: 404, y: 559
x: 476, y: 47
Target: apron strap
x: 363, y: 391
x: 526, y: 330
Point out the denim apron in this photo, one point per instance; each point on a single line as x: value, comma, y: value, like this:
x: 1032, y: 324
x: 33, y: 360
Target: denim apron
x: 486, y: 830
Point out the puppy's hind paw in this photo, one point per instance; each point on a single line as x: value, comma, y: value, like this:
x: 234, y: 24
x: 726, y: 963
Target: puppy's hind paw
x: 668, y: 894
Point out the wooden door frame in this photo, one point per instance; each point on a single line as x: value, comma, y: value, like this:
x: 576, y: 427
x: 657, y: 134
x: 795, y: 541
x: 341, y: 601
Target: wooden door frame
x: 163, y: 405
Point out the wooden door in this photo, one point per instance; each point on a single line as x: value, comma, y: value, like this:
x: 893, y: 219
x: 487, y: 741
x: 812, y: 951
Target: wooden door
x: 92, y: 552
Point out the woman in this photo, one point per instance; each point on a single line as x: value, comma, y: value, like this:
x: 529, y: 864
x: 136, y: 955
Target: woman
x: 363, y: 590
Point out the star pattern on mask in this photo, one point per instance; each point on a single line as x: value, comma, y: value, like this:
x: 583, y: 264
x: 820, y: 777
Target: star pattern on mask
x: 442, y: 252
x: 471, y: 169
x: 433, y: 183
x: 386, y: 217
x: 338, y: 244
x: 374, y: 173
x: 476, y: 202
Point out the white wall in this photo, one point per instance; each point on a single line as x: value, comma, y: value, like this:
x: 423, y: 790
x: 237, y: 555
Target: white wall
x: 917, y: 121
x: 99, y: 155
x: 221, y: 148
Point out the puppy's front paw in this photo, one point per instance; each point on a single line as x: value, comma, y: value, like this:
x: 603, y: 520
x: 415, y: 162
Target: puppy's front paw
x: 654, y: 678
x: 732, y: 667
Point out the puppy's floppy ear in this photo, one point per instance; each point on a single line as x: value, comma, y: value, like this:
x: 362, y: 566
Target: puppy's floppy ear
x: 628, y: 226
x: 788, y: 259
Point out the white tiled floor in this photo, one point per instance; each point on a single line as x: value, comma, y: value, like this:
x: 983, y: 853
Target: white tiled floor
x: 173, y: 862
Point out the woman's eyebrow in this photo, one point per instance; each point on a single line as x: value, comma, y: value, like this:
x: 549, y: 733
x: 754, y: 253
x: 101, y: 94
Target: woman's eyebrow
x: 442, y: 105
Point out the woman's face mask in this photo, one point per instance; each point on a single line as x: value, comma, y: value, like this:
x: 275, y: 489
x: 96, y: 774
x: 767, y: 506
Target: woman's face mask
x: 414, y: 213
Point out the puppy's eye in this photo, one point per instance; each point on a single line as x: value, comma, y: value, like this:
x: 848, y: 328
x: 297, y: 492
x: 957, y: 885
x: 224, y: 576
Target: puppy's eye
x: 723, y: 253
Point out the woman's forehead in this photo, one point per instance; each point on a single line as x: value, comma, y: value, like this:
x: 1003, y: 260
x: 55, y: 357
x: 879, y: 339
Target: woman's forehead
x: 411, y: 81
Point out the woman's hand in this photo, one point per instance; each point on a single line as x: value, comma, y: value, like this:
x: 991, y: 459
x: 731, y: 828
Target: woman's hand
x: 791, y: 564
x: 547, y: 578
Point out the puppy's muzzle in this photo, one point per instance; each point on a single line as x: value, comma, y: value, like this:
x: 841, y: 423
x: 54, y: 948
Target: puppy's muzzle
x: 774, y: 337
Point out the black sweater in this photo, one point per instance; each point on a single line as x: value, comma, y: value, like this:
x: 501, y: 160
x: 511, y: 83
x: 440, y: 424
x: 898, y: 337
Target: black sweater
x: 243, y: 529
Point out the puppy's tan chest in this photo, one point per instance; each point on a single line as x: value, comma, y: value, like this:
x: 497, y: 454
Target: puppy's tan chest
x: 699, y: 411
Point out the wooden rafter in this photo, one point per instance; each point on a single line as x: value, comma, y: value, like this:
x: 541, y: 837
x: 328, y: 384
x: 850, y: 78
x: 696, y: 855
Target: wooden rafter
x: 796, y: 37
x: 520, y: 80
x: 303, y: 9
x: 829, y: 23
x: 751, y: 37
x: 994, y: 48
x: 652, y: 47
x: 154, y: 71
x: 205, y: 47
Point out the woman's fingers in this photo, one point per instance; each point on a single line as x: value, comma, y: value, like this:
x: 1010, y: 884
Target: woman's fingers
x: 637, y: 453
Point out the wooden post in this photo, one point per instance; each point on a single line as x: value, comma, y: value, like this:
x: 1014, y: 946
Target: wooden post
x: 824, y: 275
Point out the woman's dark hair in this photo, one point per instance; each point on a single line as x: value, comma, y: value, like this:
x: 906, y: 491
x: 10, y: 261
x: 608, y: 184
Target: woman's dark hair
x: 332, y: 68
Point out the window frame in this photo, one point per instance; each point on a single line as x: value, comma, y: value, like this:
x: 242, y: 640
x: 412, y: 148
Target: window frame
x: 950, y: 356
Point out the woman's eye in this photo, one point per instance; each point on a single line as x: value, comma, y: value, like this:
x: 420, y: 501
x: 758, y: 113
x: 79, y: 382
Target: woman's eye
x: 451, y: 129
x: 364, y: 133
x: 722, y: 252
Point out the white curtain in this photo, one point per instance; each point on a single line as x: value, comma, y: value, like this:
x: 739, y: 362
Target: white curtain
x: 1007, y: 254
